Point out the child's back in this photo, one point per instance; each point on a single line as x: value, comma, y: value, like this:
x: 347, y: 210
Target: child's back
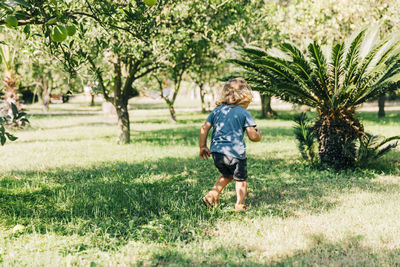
x: 228, y: 125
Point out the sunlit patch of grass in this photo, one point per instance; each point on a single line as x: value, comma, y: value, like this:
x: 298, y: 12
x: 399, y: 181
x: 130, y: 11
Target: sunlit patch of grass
x: 82, y: 198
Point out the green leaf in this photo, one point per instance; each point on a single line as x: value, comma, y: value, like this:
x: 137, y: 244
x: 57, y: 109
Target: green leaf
x: 11, y: 137
x: 27, y: 29
x: 20, y: 115
x: 352, y: 57
x: 21, y: 3
x: 14, y: 110
x: 52, y: 21
x: 337, y: 55
x: 22, y: 15
x: 2, y: 140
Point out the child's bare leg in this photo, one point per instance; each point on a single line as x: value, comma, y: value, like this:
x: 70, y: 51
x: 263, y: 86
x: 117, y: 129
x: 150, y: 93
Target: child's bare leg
x: 241, y: 191
x: 219, y: 185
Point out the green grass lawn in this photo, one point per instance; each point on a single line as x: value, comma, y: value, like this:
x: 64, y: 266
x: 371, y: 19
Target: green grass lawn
x: 86, y: 201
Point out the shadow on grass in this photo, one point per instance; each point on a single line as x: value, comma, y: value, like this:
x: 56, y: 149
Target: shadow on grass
x: 88, y: 124
x: 321, y: 252
x: 135, y: 106
x: 365, y: 116
x: 221, y: 256
x: 183, y: 135
x: 63, y: 114
x: 283, y: 188
x: 190, y: 135
x: 160, y: 201
x: 285, y: 115
x: 390, y: 117
x: 348, y: 251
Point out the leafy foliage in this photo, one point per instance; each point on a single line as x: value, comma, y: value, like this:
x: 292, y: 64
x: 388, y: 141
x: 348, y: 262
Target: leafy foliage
x: 371, y: 147
x: 4, y: 135
x: 305, y: 136
x: 342, y: 80
x: 125, y: 41
x: 16, y: 119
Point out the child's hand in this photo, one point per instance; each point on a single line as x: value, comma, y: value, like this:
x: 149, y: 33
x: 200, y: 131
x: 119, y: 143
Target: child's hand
x: 258, y: 131
x: 204, y: 153
x: 254, y: 134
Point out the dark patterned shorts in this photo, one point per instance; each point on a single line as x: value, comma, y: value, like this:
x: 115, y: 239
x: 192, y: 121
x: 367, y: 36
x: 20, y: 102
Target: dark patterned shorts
x: 231, y: 166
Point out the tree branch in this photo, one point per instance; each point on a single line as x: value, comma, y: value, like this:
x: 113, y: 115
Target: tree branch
x: 146, y: 72
x: 100, y: 78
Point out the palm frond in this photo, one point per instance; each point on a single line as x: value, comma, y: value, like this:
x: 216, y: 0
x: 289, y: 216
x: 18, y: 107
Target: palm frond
x: 303, y: 68
x: 351, y: 57
x: 319, y: 62
x: 353, y: 72
x: 370, y: 61
x: 337, y: 57
x: 254, y: 51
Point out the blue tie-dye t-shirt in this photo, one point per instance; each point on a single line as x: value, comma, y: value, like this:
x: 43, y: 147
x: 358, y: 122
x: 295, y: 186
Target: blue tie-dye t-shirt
x: 229, y: 124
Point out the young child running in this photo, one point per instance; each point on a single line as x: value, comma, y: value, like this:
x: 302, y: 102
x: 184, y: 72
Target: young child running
x: 229, y: 121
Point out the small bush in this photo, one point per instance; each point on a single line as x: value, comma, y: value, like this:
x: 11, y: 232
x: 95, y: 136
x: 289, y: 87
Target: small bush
x: 16, y: 119
x: 306, y: 138
x: 370, y: 147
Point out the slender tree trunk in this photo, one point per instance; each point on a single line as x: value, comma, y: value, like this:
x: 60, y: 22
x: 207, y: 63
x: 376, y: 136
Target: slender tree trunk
x: 92, y: 99
x: 171, y: 101
x: 173, y: 114
x: 124, y: 133
x: 202, y: 94
x: 46, y: 94
x: 266, y: 109
x: 171, y: 109
x: 121, y: 106
x: 381, y: 104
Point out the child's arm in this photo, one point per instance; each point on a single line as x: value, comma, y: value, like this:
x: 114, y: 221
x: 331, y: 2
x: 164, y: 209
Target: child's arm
x: 204, y: 151
x: 254, y: 134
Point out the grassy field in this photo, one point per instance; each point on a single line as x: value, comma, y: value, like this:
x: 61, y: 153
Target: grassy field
x: 86, y: 201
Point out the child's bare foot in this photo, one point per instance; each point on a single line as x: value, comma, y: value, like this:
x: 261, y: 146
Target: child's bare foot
x: 210, y: 200
x: 240, y: 207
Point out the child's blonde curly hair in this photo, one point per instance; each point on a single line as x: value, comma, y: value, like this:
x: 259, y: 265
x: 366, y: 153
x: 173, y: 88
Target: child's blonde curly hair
x: 235, y: 92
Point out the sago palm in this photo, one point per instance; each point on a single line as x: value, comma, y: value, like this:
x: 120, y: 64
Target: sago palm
x: 335, y: 82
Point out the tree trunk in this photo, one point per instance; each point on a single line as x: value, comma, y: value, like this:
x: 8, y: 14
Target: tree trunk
x: 121, y: 105
x: 172, y: 112
x: 266, y: 109
x: 124, y: 133
x: 336, y: 135
x: 381, y: 104
x: 46, y: 94
x: 202, y: 94
x: 92, y: 99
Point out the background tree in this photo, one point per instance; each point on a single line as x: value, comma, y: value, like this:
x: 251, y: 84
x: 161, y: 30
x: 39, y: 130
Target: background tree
x: 205, y: 70
x: 262, y: 30
x: 182, y: 55
x: 211, y: 24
